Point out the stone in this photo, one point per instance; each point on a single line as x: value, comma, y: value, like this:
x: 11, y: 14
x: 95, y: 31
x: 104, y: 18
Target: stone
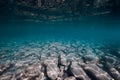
x: 110, y: 60
x: 118, y: 68
x: 114, y: 73
x: 78, y: 72
x: 62, y: 60
x: 97, y: 73
x: 59, y: 78
x: 52, y: 70
x: 91, y: 58
x: 70, y: 78
x: 41, y: 77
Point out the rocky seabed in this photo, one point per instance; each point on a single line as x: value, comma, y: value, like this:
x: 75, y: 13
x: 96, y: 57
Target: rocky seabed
x: 57, y: 61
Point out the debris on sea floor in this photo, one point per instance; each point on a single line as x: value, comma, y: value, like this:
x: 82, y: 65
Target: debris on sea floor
x: 57, y: 61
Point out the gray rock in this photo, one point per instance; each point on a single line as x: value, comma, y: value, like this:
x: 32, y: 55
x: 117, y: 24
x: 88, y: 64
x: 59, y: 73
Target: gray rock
x: 52, y: 69
x: 97, y: 73
x: 78, y: 72
x: 118, y: 68
x: 59, y: 78
x: 91, y: 58
x: 114, y: 73
x: 62, y: 60
x: 70, y: 78
x: 110, y: 60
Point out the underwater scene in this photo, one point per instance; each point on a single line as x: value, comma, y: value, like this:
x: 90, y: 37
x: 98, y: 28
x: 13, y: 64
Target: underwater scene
x: 60, y: 40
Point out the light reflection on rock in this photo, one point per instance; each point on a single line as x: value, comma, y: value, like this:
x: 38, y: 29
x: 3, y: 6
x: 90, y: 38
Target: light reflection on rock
x: 57, y: 61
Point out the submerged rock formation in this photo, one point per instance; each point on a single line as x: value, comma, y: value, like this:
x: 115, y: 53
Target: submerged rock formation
x: 52, y: 69
x: 58, y: 62
x: 78, y: 72
x: 97, y: 73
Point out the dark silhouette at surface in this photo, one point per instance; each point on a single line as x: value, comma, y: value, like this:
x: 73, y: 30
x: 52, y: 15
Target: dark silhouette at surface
x: 53, y: 9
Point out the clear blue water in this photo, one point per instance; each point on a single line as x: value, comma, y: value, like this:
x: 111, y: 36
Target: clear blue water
x: 96, y: 29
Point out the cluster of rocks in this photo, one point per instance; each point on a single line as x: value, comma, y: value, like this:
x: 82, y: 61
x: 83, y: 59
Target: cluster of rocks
x: 57, y: 61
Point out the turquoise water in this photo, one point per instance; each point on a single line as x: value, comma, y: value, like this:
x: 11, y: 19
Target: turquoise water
x: 93, y: 29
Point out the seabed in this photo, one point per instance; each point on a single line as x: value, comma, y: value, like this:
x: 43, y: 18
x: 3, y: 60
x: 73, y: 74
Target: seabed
x: 57, y: 60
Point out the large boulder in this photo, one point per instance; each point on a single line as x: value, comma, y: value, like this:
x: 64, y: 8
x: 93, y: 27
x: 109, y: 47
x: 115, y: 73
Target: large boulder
x: 62, y: 60
x: 97, y: 73
x: 52, y: 69
x: 78, y: 72
x: 114, y: 73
